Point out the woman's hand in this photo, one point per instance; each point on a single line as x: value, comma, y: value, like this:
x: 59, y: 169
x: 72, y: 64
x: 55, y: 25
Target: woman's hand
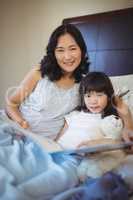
x: 24, y: 124
x: 121, y: 106
x: 128, y: 137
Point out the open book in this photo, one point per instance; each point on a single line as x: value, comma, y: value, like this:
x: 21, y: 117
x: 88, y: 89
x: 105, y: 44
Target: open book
x: 51, y: 146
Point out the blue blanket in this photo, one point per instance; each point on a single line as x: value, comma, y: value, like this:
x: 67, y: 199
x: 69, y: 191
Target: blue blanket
x: 28, y: 172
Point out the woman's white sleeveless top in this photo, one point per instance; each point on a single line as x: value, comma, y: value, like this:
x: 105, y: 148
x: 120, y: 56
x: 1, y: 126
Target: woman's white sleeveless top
x: 45, y: 107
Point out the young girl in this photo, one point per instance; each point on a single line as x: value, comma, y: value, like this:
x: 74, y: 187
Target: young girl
x: 96, y: 120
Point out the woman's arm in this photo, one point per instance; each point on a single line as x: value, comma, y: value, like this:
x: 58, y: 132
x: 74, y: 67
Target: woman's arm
x: 127, y: 118
x: 124, y: 113
x: 13, y: 102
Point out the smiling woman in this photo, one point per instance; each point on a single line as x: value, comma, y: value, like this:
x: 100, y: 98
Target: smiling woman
x: 68, y: 54
x: 50, y: 90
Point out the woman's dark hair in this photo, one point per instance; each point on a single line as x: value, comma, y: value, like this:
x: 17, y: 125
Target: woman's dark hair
x: 99, y: 82
x: 49, y: 65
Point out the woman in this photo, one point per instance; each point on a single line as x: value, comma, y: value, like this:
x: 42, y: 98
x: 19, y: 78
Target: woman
x: 51, y: 90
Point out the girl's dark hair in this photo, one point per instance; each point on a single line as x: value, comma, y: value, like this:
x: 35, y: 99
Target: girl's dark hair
x: 99, y: 82
x: 49, y: 65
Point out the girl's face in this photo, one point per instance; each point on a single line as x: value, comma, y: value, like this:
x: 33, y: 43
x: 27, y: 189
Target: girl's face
x: 67, y: 53
x: 95, y: 101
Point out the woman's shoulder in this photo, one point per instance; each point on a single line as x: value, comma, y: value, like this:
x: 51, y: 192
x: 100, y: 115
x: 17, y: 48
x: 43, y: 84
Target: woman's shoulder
x: 35, y: 72
x: 31, y: 79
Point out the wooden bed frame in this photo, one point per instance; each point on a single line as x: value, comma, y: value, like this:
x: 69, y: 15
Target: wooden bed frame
x: 109, y: 39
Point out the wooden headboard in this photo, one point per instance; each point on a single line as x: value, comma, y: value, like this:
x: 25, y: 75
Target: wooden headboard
x: 109, y: 39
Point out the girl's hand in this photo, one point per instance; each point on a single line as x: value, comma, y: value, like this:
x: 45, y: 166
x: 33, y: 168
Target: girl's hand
x: 83, y: 144
x: 90, y: 143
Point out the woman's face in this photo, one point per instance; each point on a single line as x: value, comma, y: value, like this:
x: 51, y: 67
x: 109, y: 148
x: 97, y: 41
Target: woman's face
x: 67, y: 53
x: 95, y: 101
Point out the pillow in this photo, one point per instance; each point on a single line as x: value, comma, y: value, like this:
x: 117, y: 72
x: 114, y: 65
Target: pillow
x: 121, y: 84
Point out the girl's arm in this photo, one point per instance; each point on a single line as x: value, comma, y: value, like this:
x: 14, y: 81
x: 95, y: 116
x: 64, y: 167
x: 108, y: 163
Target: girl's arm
x: 62, y: 131
x: 13, y: 102
x: 92, y: 143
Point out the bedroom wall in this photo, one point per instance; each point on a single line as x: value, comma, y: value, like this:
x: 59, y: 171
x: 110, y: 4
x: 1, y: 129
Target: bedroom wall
x: 25, y: 26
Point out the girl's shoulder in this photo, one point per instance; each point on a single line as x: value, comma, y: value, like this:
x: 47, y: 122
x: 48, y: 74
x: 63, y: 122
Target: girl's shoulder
x: 72, y: 113
x: 71, y: 116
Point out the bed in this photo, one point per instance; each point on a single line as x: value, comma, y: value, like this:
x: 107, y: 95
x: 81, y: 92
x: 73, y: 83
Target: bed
x: 24, y: 170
